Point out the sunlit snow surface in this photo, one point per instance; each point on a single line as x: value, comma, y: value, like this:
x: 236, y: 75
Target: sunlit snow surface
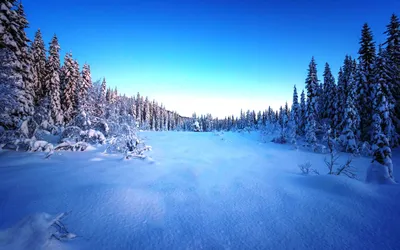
x: 197, y: 191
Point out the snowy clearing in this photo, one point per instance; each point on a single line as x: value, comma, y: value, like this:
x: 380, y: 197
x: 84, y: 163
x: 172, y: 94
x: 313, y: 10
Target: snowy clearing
x: 194, y: 191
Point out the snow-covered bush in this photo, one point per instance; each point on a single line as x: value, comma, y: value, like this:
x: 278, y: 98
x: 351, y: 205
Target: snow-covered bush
x: 28, y: 127
x: 72, y: 146
x: 81, y: 120
x: 102, y: 126
x: 40, y: 146
x: 72, y: 133
x: 365, y: 149
x: 320, y: 148
x: 92, y: 136
x: 279, y: 139
x: 196, y: 126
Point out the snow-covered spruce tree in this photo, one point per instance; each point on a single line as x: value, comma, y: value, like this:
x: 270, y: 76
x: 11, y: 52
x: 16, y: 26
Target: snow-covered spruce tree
x: 393, y: 64
x: 139, y: 108
x: 302, y: 114
x: 329, y: 105
x: 52, y: 82
x: 381, y: 168
x: 70, y: 87
x: 293, y: 120
x: 365, y: 79
x: 146, y: 114
x: 341, y: 99
x: 312, y: 98
x: 15, y: 69
x: 320, y: 103
x: 100, y: 105
x: 84, y: 85
x: 283, y: 126
x: 10, y: 78
x: 383, y: 78
x: 295, y: 111
x: 39, y: 65
x: 76, y: 76
x: 351, y: 119
x: 26, y: 55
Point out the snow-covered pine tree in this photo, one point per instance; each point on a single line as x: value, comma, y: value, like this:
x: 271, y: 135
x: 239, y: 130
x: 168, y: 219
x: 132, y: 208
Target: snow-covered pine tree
x: 341, y: 99
x: 139, y: 108
x: 351, y: 119
x: 18, y: 98
x: 39, y: 65
x: 292, y: 128
x: 76, y: 76
x: 295, y: 111
x: 320, y: 102
x: 70, y: 89
x: 392, y: 62
x: 365, y: 80
x: 26, y: 55
x: 84, y: 86
x: 10, y: 79
x: 302, y: 116
x: 146, y: 114
x: 283, y: 125
x: 383, y: 78
x: 329, y: 105
x: 100, y: 105
x: 52, y: 82
x: 312, y: 102
x: 381, y: 168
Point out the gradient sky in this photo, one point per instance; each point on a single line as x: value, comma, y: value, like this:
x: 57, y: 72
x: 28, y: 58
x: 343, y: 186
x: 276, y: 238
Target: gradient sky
x: 208, y: 56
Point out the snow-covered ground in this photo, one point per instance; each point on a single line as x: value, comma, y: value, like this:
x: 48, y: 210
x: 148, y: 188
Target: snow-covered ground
x: 195, y: 191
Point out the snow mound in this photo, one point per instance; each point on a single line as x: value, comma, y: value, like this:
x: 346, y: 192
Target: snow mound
x: 378, y: 174
x: 36, y: 231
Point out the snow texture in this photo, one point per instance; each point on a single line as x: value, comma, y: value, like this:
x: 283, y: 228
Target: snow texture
x: 198, y: 192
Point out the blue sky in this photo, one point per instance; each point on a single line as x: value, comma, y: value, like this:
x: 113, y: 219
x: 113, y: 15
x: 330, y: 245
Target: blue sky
x: 208, y: 56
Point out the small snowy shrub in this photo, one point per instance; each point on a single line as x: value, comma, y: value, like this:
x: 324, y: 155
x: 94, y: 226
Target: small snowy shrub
x: 196, y: 126
x: 345, y: 169
x: 280, y: 139
x: 320, y: 148
x: 306, y: 169
x: 72, y: 133
x: 101, y: 126
x: 72, y: 146
x: 366, y: 149
x: 92, y: 136
x: 41, y: 146
x: 28, y: 127
x: 81, y: 120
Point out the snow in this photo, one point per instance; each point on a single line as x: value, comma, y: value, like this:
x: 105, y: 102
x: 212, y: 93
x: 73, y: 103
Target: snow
x: 200, y: 191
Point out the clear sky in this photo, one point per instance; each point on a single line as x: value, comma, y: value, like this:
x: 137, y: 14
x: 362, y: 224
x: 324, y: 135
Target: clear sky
x: 208, y: 56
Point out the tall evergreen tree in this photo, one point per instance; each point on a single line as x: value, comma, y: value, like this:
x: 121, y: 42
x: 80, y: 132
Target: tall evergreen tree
x: 365, y: 80
x: 85, y: 84
x: 39, y: 65
x: 52, y: 80
x: 351, y: 118
x: 384, y: 79
x: 329, y: 106
x: 312, y: 102
x: 382, y: 170
x: 70, y: 87
x: 16, y: 64
x: 295, y: 105
x: 303, y: 112
x: 393, y: 65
